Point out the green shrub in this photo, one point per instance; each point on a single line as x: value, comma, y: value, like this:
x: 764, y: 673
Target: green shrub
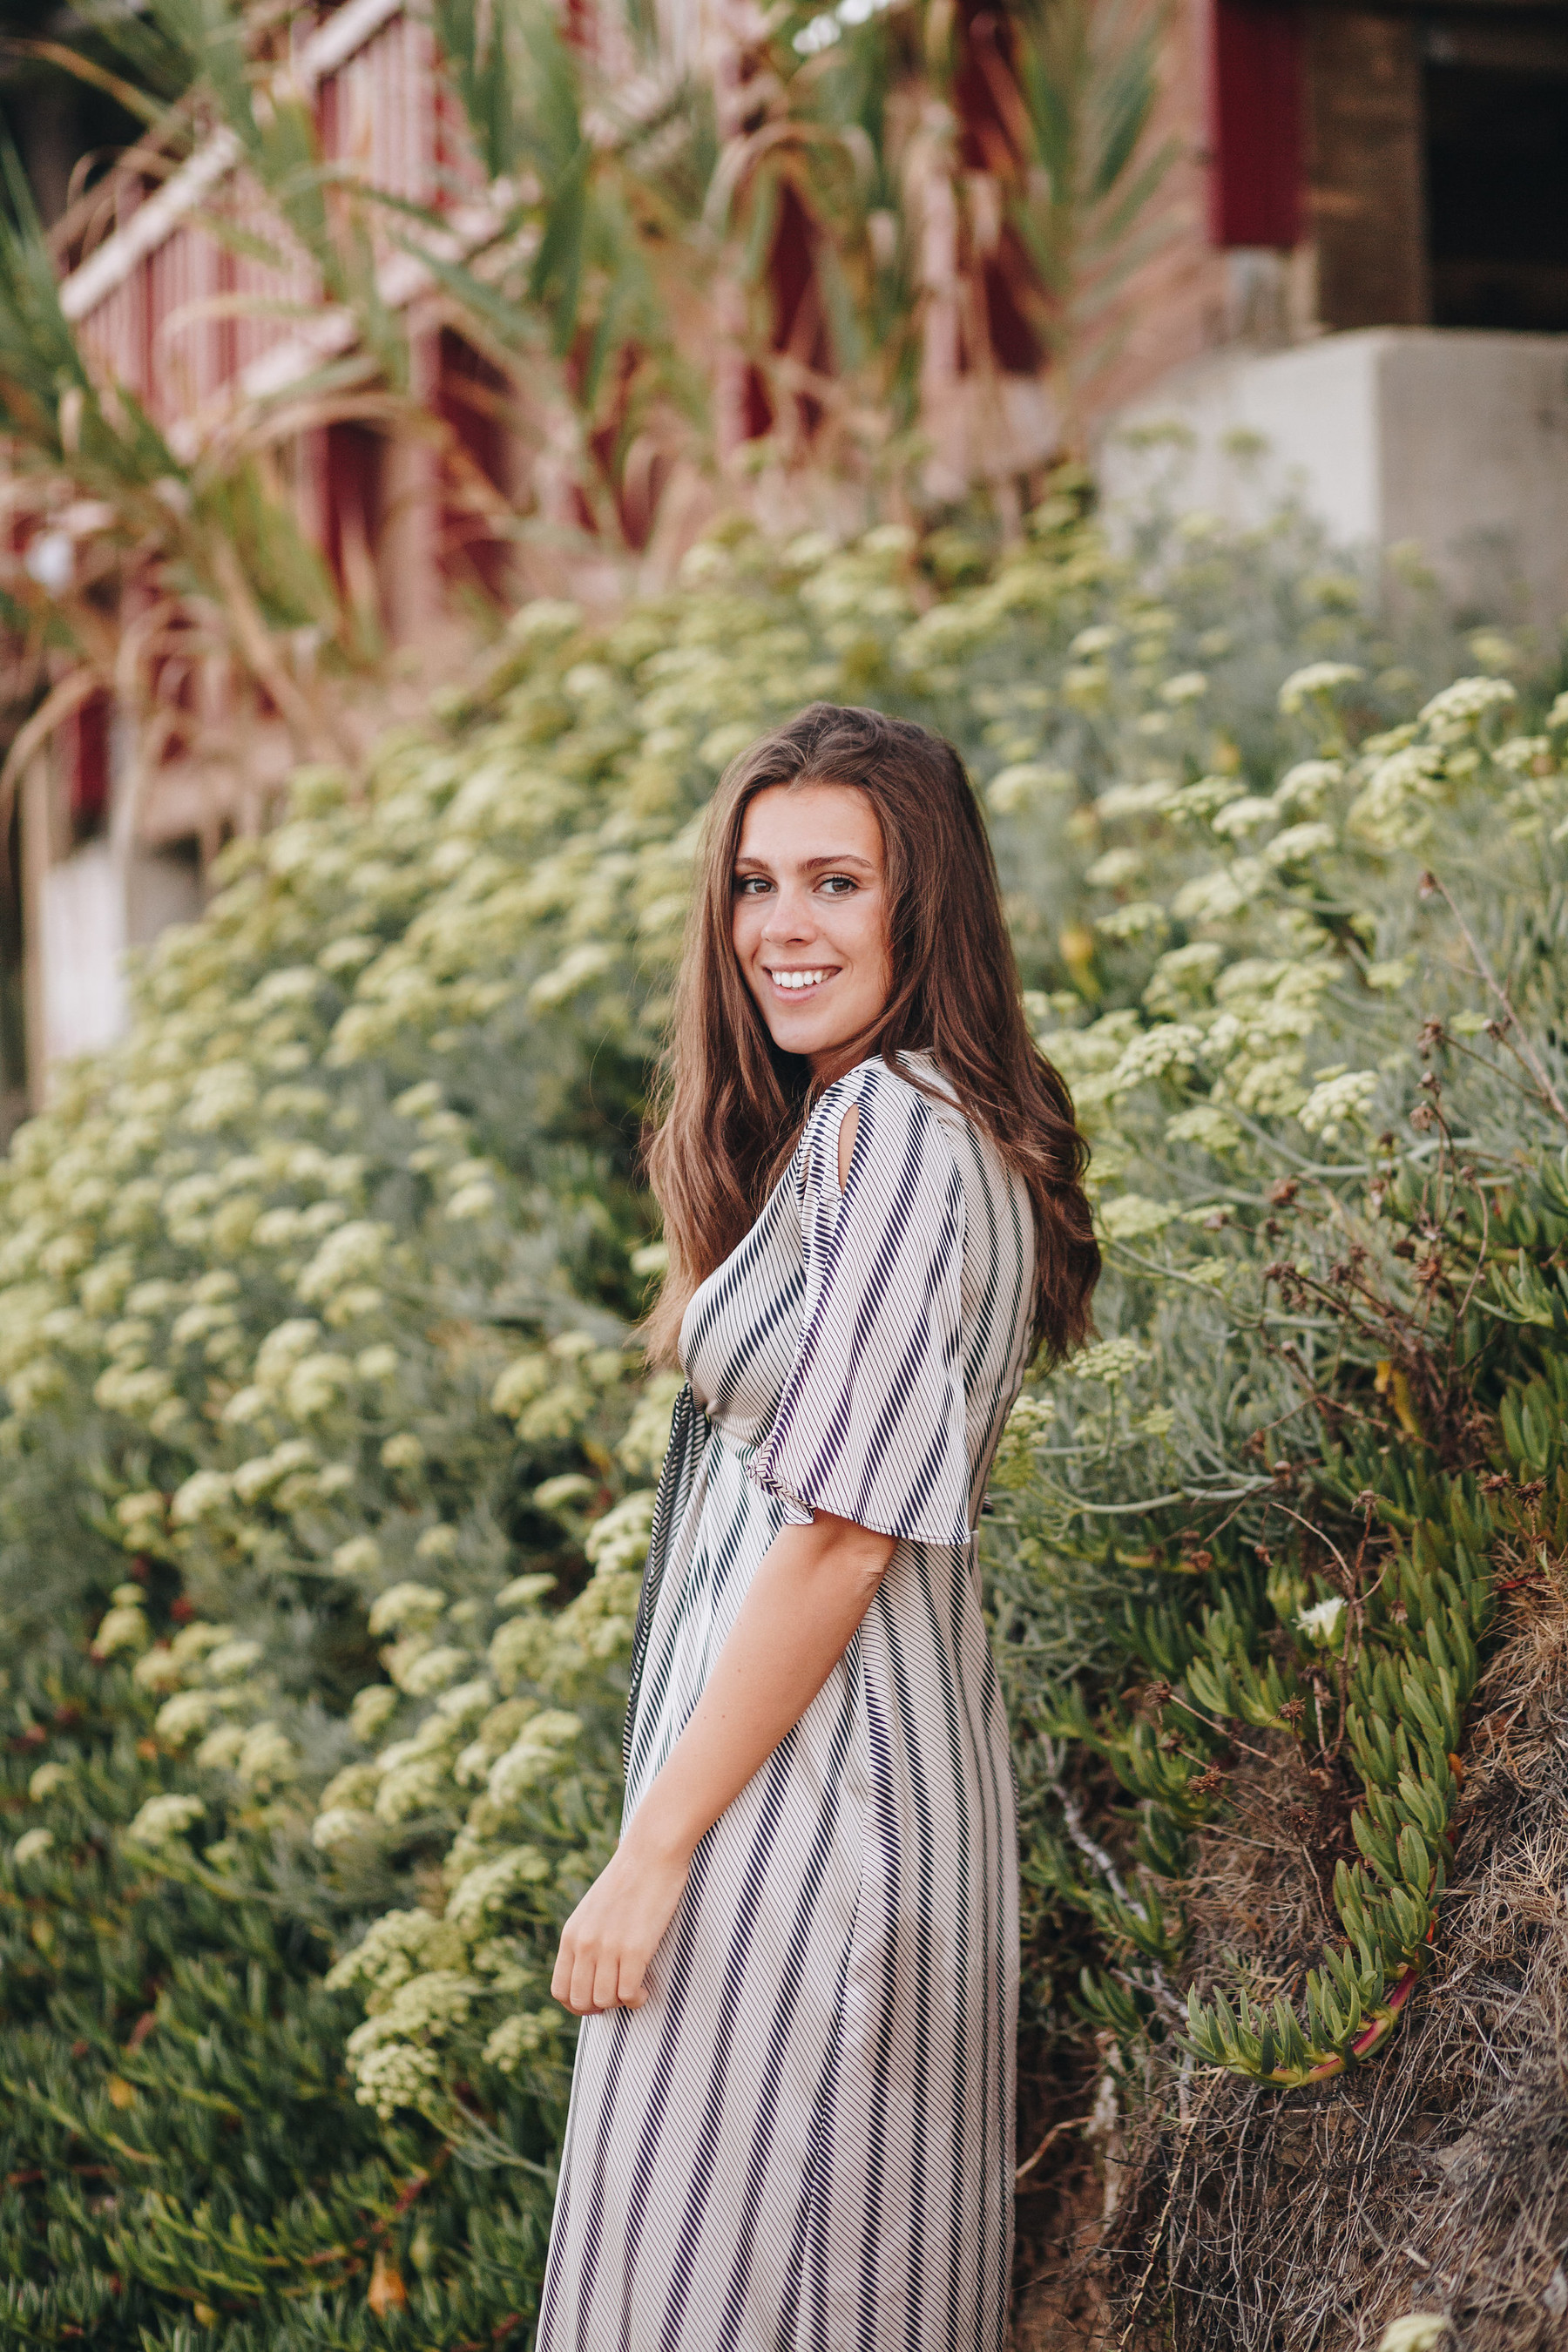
x: 178, y: 2148
x: 1255, y: 1531
x: 317, y: 1291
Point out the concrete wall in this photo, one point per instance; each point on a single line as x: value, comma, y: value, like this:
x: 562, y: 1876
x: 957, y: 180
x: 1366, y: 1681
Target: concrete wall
x: 1456, y: 440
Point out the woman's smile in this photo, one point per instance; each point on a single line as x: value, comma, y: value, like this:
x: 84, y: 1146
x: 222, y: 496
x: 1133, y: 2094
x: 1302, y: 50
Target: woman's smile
x: 797, y: 982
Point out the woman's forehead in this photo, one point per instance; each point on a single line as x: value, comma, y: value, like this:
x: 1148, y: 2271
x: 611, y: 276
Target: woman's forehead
x: 807, y: 823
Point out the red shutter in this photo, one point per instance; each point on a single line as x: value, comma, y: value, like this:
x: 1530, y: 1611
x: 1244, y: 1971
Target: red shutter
x: 1256, y: 127
x: 85, y: 743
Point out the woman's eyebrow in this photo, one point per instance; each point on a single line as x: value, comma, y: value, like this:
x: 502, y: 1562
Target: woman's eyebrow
x: 810, y: 865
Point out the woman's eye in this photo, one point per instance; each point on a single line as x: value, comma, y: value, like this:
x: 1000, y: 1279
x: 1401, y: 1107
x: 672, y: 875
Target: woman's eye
x: 838, y: 885
x: 752, y: 886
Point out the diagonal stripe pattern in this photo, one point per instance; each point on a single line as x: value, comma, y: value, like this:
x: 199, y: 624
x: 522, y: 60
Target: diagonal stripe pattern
x: 804, y: 2143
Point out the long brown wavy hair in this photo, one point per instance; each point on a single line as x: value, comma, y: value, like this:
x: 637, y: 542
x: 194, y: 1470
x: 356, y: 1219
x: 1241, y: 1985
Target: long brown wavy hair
x: 730, y: 1105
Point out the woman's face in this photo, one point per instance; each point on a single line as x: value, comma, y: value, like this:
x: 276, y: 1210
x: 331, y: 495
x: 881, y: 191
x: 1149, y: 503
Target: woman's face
x: 810, y: 922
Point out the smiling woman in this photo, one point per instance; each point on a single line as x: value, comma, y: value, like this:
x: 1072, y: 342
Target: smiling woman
x: 792, y: 2115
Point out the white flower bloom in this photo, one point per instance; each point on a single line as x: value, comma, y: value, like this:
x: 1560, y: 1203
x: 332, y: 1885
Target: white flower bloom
x: 360, y: 1556
x: 45, y: 1780
x: 397, y: 2076
x: 523, y: 1591
x: 164, y: 1818
x: 373, y: 1708
x: 620, y: 1539
x: 340, y: 1825
x: 461, y: 1705
x: 520, y: 2036
x: 316, y: 1384
x: 405, y: 1604
x: 233, y: 1660
x: 121, y: 1628
x: 1321, y: 1622
x: 203, y: 1493
x: 1245, y: 816
x: 1339, y: 1102
x: 1115, y: 869
x: 282, y: 1348
x: 219, y: 1751
x: 472, y: 1201
x: 1022, y: 787
x: 1456, y: 710
x: 1112, y: 1361
x: 488, y: 1888
x: 1154, y: 1052
x: 524, y: 1379
x: 1304, y: 786
x: 432, y: 1670
x: 398, y: 1946
x: 158, y: 1669
x: 1215, y: 897
x: 1323, y: 678
x: 351, y: 1253
x: 1135, y: 920
x: 265, y: 1756
x: 181, y: 1718
x: 31, y: 1846
x: 531, y: 1755
x: 1130, y: 1216
x: 414, y: 1786
x: 140, y: 1513
x: 1300, y: 841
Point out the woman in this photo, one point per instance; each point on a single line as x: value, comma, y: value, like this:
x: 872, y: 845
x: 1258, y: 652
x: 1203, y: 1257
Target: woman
x: 792, y: 2119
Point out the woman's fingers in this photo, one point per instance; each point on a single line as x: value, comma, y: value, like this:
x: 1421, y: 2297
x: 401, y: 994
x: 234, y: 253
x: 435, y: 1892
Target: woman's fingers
x: 606, y: 1978
x: 584, y: 1972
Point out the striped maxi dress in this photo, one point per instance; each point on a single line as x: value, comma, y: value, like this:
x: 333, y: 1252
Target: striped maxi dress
x: 804, y: 2141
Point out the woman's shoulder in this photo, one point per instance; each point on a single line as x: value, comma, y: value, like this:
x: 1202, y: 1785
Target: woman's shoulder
x: 911, y: 1100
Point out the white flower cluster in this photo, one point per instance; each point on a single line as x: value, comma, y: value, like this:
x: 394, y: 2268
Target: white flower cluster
x: 1339, y: 1102
x: 1317, y: 681
x: 163, y: 1819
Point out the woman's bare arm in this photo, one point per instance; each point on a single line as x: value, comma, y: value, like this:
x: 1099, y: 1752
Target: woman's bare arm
x: 812, y: 1588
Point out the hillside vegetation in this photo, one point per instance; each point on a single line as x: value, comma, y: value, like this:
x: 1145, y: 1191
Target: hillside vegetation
x: 327, y: 1461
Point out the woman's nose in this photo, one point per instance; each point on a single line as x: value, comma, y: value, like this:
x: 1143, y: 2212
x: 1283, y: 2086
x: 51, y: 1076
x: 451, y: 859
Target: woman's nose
x: 789, y: 917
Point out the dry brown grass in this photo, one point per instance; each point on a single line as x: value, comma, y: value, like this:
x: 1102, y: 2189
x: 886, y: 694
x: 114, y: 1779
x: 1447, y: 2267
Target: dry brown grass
x: 1436, y: 2177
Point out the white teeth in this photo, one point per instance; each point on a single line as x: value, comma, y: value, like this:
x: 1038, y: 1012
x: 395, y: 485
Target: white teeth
x: 798, y: 979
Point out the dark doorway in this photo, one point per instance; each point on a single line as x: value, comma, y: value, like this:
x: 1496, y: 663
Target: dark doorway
x: 1497, y: 181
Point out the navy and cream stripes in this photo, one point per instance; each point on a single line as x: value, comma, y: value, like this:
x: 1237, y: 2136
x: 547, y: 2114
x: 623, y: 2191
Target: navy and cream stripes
x: 804, y: 2142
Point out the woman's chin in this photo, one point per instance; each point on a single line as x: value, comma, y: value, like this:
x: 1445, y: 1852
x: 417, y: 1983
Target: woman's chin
x: 819, y: 1042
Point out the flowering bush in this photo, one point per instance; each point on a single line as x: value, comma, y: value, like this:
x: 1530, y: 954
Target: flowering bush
x: 1250, y: 1549
x: 322, y: 1408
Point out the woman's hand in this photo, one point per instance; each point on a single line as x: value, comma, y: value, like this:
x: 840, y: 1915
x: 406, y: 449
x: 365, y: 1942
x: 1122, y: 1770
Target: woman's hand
x: 608, y: 1941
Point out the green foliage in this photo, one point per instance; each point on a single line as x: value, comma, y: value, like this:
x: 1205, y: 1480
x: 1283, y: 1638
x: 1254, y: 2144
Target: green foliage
x: 178, y: 2152
x: 324, y: 1421
x: 1330, y: 1132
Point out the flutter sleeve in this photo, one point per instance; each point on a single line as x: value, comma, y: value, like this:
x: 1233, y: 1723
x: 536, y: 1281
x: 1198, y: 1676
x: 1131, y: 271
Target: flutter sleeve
x: 871, y: 1425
